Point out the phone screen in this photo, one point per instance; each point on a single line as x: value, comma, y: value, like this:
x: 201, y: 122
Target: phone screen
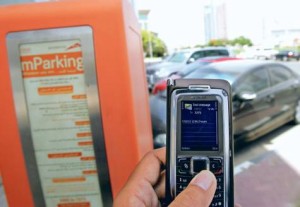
x: 199, y: 125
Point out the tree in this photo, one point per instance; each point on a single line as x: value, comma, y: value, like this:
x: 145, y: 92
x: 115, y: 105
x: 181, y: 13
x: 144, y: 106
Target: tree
x: 218, y: 42
x: 241, y: 41
x: 158, y: 46
x: 237, y: 41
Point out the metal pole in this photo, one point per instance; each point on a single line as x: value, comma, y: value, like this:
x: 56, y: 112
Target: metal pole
x: 150, y: 44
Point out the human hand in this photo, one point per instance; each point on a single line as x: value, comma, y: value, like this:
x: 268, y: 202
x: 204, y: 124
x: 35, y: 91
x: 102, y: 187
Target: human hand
x: 146, y: 185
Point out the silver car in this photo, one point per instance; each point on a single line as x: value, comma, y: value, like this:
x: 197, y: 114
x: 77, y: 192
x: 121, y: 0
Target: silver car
x: 176, y: 61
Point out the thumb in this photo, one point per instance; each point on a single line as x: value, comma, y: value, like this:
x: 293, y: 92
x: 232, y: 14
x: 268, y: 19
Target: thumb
x: 199, y: 192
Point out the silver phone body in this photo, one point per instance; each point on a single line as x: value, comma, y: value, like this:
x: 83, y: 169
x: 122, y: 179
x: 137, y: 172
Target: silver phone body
x: 186, y: 152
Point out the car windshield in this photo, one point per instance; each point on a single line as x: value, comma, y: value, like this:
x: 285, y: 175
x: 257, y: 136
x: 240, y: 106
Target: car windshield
x: 192, y: 67
x: 178, y: 57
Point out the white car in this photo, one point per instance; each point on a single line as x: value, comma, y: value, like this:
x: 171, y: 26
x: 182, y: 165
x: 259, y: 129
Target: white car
x: 265, y: 53
x: 176, y: 61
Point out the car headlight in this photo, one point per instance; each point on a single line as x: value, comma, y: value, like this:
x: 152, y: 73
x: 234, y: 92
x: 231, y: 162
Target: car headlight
x: 160, y: 140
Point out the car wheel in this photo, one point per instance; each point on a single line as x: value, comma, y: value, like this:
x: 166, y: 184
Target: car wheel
x: 297, y: 114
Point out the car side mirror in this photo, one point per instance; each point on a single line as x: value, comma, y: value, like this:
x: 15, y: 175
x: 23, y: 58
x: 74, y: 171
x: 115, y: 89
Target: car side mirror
x: 244, y: 96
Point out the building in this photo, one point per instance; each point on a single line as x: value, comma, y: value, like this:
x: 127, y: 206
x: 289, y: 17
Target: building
x: 143, y: 15
x: 215, y: 24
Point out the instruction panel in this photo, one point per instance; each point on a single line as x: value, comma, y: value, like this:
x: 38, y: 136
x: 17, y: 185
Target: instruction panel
x: 54, y: 83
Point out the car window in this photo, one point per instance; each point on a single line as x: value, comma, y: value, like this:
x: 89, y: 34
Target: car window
x: 197, y: 55
x: 255, y: 81
x: 216, y: 53
x: 279, y: 74
x: 178, y: 57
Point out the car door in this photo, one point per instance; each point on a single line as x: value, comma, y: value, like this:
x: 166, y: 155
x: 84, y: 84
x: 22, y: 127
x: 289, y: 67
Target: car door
x: 284, y: 85
x: 252, y: 114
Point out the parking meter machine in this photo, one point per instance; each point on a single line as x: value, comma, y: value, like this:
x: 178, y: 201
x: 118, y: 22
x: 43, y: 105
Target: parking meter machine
x: 75, y: 115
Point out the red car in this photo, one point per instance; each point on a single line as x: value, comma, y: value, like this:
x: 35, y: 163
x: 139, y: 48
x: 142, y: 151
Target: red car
x: 162, y: 85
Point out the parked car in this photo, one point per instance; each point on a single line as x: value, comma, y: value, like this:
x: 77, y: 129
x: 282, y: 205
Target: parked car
x: 178, y: 60
x: 198, y: 64
x: 258, y: 52
x: 264, y: 53
x: 265, y: 95
x: 287, y: 55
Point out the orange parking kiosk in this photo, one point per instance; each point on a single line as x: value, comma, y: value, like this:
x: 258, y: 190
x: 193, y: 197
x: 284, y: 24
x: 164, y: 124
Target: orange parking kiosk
x: 74, y: 105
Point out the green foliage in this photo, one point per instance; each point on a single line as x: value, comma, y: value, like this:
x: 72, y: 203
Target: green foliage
x: 297, y: 48
x: 158, y: 46
x: 241, y: 41
x: 218, y: 42
x: 237, y: 41
x: 199, y: 46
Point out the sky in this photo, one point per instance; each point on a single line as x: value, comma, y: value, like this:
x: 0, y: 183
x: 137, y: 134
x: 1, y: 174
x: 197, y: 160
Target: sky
x: 180, y: 22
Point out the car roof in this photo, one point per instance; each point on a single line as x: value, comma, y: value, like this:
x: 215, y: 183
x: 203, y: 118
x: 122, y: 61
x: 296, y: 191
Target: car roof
x: 238, y: 66
x: 201, y: 49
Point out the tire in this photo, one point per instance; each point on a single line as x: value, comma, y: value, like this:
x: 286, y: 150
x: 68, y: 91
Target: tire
x: 297, y: 114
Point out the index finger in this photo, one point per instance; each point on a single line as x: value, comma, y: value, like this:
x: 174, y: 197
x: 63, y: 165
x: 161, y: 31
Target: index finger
x: 149, y: 168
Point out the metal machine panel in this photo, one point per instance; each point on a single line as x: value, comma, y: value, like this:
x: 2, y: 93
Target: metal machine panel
x: 57, y: 105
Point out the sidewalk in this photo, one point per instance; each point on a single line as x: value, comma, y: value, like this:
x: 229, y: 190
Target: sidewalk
x: 272, y: 182
x: 273, y: 178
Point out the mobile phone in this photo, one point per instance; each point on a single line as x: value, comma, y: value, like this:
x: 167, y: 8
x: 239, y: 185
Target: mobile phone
x: 199, y: 136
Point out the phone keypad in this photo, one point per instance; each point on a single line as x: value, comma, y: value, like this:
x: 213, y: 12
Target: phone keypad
x: 185, y: 175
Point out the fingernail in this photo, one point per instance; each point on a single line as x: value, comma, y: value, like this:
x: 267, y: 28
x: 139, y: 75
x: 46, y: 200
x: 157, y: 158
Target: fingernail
x: 203, y: 180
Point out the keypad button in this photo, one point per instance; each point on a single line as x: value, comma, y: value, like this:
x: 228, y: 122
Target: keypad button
x: 181, y: 187
x: 219, y: 195
x: 219, y: 179
x: 184, y: 179
x: 180, y: 172
x: 199, y: 165
x: 220, y: 187
x: 217, y: 203
x: 183, y: 166
x: 183, y: 159
x: 216, y: 166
